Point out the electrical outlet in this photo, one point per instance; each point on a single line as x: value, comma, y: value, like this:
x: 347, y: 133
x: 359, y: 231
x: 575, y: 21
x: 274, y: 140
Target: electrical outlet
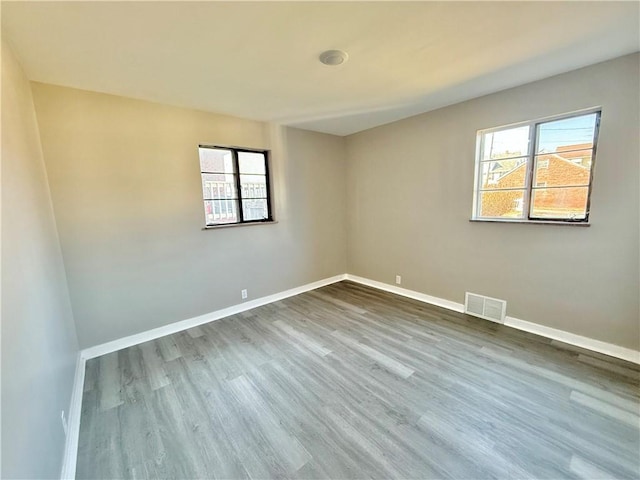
x: 244, y: 294
x: 64, y: 422
x: 398, y: 279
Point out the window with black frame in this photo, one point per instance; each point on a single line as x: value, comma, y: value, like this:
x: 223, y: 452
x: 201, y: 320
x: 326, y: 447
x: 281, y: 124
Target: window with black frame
x: 537, y: 171
x: 235, y: 185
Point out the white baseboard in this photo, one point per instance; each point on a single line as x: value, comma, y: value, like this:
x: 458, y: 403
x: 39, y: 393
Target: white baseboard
x: 73, y: 423
x: 422, y: 297
x: 548, y: 332
x: 573, y: 339
x: 142, y: 337
x: 71, y: 445
x: 73, y: 431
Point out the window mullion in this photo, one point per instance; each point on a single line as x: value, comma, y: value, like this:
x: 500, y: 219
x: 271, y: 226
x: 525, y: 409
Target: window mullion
x: 267, y: 180
x: 236, y: 167
x: 530, y: 171
x: 596, y: 133
x: 478, y: 189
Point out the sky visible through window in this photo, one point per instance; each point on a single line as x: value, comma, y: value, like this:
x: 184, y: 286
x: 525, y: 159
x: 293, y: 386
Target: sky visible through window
x: 570, y: 131
x: 514, y: 142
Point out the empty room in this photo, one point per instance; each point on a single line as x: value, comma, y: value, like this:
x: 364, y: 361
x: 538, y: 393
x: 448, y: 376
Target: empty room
x: 320, y: 240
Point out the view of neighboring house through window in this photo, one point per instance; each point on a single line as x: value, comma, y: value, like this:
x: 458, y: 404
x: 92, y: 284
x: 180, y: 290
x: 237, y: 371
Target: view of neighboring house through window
x: 235, y: 185
x: 541, y: 170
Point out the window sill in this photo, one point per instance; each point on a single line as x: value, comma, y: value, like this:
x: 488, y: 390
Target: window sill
x: 532, y: 222
x: 245, y: 224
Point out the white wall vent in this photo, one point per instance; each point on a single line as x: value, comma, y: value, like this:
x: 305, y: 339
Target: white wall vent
x: 485, y: 307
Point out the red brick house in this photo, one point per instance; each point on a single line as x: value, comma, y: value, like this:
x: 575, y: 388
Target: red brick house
x: 568, y: 167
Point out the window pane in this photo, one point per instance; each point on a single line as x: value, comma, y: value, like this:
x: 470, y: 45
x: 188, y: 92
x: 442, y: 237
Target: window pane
x: 216, y: 160
x: 218, y: 185
x: 512, y: 142
x: 251, y: 162
x: 504, y: 174
x: 560, y: 203
x: 566, y: 169
x: 253, y: 179
x: 255, y: 209
x: 575, y: 133
x: 502, y: 203
x: 221, y: 211
x: 253, y: 186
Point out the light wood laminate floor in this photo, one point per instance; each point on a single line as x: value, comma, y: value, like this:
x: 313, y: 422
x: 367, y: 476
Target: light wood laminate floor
x: 351, y: 382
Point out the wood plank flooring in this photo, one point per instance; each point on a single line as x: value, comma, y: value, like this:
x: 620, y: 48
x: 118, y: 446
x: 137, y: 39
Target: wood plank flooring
x: 349, y: 382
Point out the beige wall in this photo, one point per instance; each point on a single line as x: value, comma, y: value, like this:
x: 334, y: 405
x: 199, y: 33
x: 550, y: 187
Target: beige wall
x: 39, y: 344
x: 125, y: 183
x: 126, y: 190
x: 410, y: 195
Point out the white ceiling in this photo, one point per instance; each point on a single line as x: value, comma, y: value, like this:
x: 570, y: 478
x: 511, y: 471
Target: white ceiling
x: 260, y: 60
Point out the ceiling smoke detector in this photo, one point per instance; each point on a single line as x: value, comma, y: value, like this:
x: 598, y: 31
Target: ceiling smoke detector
x: 334, y: 57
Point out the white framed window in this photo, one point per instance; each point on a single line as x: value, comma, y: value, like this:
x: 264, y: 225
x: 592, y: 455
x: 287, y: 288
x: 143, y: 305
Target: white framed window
x: 528, y: 171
